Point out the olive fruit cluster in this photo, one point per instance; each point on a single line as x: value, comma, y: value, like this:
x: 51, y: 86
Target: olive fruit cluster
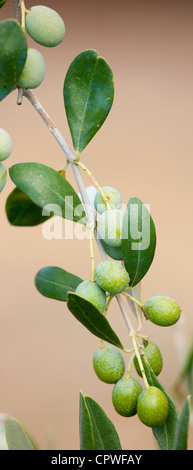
x: 128, y: 396
x: 46, y: 27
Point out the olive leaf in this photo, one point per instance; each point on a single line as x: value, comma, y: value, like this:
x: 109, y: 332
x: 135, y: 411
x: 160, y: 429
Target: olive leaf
x: 54, y: 282
x: 2, y: 2
x: 48, y: 189
x: 13, y: 54
x: 21, y: 211
x: 138, y: 240
x: 96, y: 430
x: 88, y: 96
x: 17, y: 437
x: 87, y: 314
x: 181, y: 436
x: 165, y: 435
x: 112, y: 251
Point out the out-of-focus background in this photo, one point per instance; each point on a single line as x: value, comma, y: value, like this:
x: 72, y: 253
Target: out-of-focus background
x: 144, y: 149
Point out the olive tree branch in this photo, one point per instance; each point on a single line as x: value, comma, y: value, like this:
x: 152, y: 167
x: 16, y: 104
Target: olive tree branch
x: 71, y: 158
x: 17, y: 10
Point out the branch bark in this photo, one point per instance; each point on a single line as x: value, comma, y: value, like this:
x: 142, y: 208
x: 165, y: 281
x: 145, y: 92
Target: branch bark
x: 17, y: 10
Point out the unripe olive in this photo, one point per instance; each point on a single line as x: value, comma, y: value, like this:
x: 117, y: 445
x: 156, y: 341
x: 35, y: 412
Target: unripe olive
x: 108, y: 364
x: 152, y: 407
x: 125, y: 395
x: 45, y: 26
x: 113, y: 196
x: 110, y: 226
x: 93, y: 293
x: 162, y: 311
x: 111, y: 276
x: 5, y: 145
x: 33, y: 72
x: 3, y: 176
x: 154, y: 358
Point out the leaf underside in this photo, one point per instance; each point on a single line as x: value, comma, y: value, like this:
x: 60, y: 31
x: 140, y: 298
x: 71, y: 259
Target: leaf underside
x: 17, y: 437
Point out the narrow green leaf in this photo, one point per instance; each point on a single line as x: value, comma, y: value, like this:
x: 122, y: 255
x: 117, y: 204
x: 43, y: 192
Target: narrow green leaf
x: 181, y: 437
x: 2, y: 2
x: 187, y: 365
x: 21, y: 210
x: 112, y: 251
x: 13, y: 54
x: 54, y: 282
x: 105, y: 434
x: 85, y: 426
x: 3, y: 176
x: 88, y: 96
x: 139, y: 240
x: 165, y: 434
x: 87, y: 314
x: 190, y: 382
x: 16, y: 436
x: 48, y: 189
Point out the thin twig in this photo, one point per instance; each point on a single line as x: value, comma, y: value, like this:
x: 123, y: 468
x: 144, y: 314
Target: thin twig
x: 50, y: 124
x: 124, y: 314
x: 17, y: 10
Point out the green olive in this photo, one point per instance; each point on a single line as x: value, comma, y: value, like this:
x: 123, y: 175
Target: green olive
x: 162, y: 311
x: 152, y: 407
x: 154, y: 358
x: 108, y: 364
x: 125, y: 395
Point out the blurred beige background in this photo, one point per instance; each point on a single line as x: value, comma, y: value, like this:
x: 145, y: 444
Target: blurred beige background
x: 144, y: 149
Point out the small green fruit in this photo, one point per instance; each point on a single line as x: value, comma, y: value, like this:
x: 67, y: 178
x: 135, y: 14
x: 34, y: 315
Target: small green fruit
x: 33, y: 72
x: 152, y: 407
x: 45, y: 26
x: 110, y: 226
x: 3, y: 176
x: 125, y: 395
x: 5, y: 145
x: 111, y: 276
x: 93, y: 293
x: 108, y: 364
x: 154, y: 358
x: 162, y: 310
x: 113, y: 196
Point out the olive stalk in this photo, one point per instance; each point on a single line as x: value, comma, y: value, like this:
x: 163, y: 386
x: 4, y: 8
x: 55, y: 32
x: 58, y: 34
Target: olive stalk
x: 136, y: 349
x: 22, y: 5
x: 133, y: 299
x: 95, y: 182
